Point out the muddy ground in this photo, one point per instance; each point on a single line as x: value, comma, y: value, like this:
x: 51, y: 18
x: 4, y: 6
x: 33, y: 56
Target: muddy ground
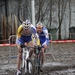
x: 59, y: 60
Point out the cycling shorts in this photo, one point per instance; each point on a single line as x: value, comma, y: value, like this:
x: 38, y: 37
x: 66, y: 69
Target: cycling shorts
x: 23, y: 39
x: 44, y: 42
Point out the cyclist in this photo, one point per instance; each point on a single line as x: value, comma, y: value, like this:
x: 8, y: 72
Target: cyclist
x: 24, y: 36
x: 44, y: 38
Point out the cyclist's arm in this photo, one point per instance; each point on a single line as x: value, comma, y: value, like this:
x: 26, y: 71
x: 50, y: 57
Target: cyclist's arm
x: 46, y: 34
x: 36, y: 37
x: 19, y: 31
x: 38, y: 41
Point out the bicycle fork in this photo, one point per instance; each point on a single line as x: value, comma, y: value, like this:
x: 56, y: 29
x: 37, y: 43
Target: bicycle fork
x: 25, y: 61
x: 37, y: 62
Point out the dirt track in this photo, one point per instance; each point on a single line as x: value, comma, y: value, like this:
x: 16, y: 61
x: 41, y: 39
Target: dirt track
x: 64, y: 63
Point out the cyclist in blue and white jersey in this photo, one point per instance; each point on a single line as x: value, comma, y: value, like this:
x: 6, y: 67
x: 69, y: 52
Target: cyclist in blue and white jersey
x: 43, y: 36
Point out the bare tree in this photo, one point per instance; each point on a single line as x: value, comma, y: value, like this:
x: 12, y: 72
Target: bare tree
x: 42, y: 9
x: 22, y: 10
x: 39, y: 6
x: 50, y: 12
x: 69, y: 15
x: 19, y: 2
x: 61, y: 11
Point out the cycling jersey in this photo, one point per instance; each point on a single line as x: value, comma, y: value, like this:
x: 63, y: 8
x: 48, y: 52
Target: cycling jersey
x: 23, y: 37
x: 43, y: 36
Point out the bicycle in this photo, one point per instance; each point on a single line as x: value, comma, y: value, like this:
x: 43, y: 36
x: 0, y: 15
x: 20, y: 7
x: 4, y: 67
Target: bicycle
x: 37, y: 59
x: 27, y: 65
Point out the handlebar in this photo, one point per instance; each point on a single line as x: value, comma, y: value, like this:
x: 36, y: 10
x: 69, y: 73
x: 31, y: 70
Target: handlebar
x: 35, y: 47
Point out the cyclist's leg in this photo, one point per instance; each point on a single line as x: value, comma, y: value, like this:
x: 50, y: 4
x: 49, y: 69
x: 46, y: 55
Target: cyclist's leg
x: 44, y: 44
x: 18, y: 42
x: 42, y: 54
x: 19, y: 59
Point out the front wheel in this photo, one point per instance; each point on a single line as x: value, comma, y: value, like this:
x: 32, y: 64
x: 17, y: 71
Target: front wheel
x: 37, y: 65
x: 28, y: 68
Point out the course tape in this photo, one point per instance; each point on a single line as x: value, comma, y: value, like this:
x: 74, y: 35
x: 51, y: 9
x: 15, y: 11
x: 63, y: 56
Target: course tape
x: 8, y: 44
x: 63, y: 41
x: 56, y: 41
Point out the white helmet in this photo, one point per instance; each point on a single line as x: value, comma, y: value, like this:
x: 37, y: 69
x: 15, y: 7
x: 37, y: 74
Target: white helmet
x: 28, y: 22
x: 39, y: 25
x: 26, y: 25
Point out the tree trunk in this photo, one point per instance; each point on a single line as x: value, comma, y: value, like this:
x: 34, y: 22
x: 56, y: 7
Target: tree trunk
x: 69, y: 16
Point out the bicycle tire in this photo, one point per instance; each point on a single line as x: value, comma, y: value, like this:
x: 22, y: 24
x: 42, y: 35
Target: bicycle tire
x: 36, y: 66
x: 23, y: 68
x: 31, y: 67
x: 29, y: 72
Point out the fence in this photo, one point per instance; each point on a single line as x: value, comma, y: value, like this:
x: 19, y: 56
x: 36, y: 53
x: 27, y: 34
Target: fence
x: 8, y: 27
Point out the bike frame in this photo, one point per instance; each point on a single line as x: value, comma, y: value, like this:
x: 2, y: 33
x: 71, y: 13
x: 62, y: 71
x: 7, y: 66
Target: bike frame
x: 37, y: 60
x: 25, y: 56
x: 25, y: 61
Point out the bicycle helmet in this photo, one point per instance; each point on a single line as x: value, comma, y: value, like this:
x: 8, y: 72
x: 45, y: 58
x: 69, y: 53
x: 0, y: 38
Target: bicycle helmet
x: 26, y: 25
x: 39, y: 26
x: 28, y: 22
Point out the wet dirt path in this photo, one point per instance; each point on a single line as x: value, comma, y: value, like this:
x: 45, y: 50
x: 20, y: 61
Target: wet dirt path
x: 63, y: 65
